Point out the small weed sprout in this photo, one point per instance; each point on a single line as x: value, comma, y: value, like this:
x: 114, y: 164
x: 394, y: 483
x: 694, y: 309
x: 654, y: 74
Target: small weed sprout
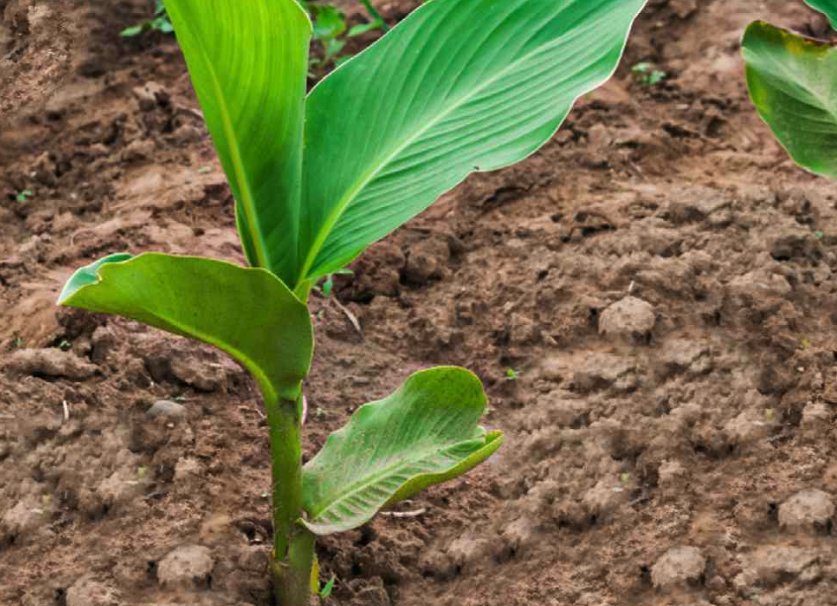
x: 646, y: 74
x: 512, y: 374
x: 24, y: 195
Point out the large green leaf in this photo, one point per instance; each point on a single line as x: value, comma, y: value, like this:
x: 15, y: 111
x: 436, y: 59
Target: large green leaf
x: 248, y: 61
x: 829, y: 7
x: 423, y: 434
x: 247, y: 313
x: 458, y: 86
x: 793, y: 84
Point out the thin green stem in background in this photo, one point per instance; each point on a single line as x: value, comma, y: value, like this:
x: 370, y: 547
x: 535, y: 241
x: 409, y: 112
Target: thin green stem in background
x: 373, y: 12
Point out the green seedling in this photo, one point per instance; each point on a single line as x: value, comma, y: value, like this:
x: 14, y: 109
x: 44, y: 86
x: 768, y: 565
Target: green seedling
x: 24, y: 195
x: 65, y: 345
x: 792, y: 81
x: 328, y: 588
x: 647, y: 75
x: 819, y: 235
x: 328, y: 283
x: 459, y: 86
x: 159, y: 23
x: 512, y: 374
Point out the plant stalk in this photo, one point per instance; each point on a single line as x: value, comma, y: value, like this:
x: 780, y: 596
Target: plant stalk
x: 293, y: 544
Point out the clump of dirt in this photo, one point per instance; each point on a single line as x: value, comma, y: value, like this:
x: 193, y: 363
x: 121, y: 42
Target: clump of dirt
x: 660, y: 279
x: 41, y: 44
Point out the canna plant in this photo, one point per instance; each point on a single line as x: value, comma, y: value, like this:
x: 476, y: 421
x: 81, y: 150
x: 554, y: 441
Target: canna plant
x: 792, y: 81
x: 459, y: 86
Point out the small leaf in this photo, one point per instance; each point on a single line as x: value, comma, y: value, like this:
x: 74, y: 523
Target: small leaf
x: 129, y: 32
x: 329, y: 587
x: 230, y: 307
x: 423, y: 434
x: 357, y: 30
x: 793, y: 85
x: 329, y: 22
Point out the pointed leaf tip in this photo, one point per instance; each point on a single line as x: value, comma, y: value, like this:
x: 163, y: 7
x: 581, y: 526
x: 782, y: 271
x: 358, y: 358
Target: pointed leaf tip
x: 89, y: 274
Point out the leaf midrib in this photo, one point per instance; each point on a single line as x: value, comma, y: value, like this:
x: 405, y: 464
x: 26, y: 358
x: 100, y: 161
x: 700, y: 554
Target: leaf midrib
x: 369, y: 175
x: 235, y: 155
x: 362, y: 485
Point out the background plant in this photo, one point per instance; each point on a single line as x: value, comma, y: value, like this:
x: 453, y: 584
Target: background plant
x: 331, y: 30
x: 792, y: 81
x: 459, y: 86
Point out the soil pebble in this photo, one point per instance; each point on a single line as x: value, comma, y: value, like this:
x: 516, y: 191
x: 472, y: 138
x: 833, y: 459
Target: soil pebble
x: 678, y: 566
x: 167, y: 408
x: 186, y: 567
x: 87, y: 592
x: 630, y: 318
x: 807, y: 510
x: 51, y: 362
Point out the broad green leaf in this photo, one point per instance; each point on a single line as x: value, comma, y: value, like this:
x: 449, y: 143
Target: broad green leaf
x: 249, y: 62
x: 828, y: 7
x: 458, y: 86
x: 793, y: 84
x: 248, y: 313
x: 423, y: 434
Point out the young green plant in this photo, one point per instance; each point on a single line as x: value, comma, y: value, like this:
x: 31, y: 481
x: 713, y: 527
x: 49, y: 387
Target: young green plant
x: 459, y: 86
x: 792, y: 81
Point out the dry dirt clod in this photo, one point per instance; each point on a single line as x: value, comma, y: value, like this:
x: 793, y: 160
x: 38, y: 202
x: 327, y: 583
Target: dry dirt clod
x: 372, y: 596
x: 630, y: 318
x: 186, y: 567
x: 51, y: 362
x: 772, y: 565
x: 167, y: 408
x: 807, y: 510
x: 87, y: 592
x: 678, y: 566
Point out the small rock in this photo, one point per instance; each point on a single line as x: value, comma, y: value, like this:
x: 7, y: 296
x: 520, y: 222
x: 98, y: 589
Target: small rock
x: 807, y: 510
x: 87, y: 592
x: 630, y: 318
x: 51, y: 362
x: 186, y: 567
x: 678, y: 566
x: 167, y: 408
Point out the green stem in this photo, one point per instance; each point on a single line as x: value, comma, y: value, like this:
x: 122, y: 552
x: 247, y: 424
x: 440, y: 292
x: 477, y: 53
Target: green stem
x: 293, y: 544
x: 373, y: 12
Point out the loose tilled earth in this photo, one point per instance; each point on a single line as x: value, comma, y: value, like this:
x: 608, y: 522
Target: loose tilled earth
x: 660, y: 277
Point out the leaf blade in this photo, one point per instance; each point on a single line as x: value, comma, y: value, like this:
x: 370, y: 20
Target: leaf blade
x: 213, y: 301
x: 475, y: 87
x: 827, y: 7
x: 423, y: 434
x: 792, y: 82
x: 248, y: 62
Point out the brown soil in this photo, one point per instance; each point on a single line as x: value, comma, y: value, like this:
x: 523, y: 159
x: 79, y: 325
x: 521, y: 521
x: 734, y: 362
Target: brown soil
x: 660, y: 276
